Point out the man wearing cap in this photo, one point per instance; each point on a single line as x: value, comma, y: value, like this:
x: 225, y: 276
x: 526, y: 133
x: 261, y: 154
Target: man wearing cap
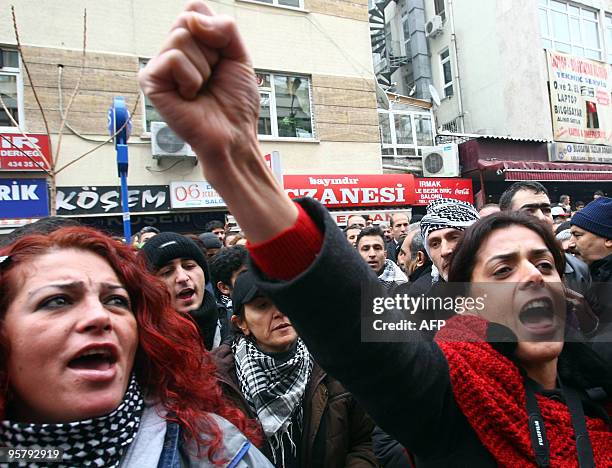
x: 592, y: 238
x: 181, y: 265
x: 212, y: 243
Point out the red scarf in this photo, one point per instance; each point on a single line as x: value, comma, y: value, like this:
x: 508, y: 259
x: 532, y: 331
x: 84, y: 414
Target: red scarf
x: 489, y: 390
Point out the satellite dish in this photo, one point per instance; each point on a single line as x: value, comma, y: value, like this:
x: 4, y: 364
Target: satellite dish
x: 381, y: 97
x: 435, y: 97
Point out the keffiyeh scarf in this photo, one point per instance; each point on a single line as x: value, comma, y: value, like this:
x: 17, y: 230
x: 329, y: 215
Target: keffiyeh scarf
x: 446, y: 213
x: 98, y: 442
x: 273, y: 388
x: 392, y: 275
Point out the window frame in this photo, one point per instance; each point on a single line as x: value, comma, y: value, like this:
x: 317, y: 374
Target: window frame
x: 440, y: 9
x: 276, y: 4
x: 550, y: 42
x: 608, y: 35
x: 12, y: 71
x: 451, y: 83
x: 271, y: 91
x: 394, y: 145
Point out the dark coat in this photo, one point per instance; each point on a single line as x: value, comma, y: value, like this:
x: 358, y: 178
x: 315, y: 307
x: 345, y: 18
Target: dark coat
x: 337, y: 431
x: 576, y: 275
x: 404, y: 386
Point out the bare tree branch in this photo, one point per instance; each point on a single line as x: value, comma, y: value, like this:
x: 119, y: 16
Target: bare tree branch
x: 104, y: 142
x: 16, y: 124
x: 74, y: 92
x: 25, y: 66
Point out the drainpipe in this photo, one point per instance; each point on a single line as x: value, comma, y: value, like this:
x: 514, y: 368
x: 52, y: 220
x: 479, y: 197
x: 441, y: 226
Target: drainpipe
x: 456, y: 58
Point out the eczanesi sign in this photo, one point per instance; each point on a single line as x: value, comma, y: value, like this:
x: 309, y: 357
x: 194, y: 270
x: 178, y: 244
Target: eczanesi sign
x: 352, y: 190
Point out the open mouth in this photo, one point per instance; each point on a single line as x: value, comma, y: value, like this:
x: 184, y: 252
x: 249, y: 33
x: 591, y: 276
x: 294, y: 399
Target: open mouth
x: 186, y: 293
x: 98, y: 359
x: 282, y: 326
x: 538, y: 316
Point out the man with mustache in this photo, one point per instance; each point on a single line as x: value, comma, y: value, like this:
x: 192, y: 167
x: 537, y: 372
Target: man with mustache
x: 181, y: 265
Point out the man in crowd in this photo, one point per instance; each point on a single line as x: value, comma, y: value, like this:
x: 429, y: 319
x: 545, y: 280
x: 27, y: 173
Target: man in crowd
x: 597, y: 194
x: 217, y: 228
x: 592, y: 235
x: 181, y: 265
x: 564, y: 202
x: 399, y: 223
x: 142, y: 236
x: 356, y: 220
x: 371, y: 247
x: 386, y: 229
x: 224, y: 269
x: 351, y: 232
x: 212, y: 243
x: 403, y: 248
x: 532, y: 197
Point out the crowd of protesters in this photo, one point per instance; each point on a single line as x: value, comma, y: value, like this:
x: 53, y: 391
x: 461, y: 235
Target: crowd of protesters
x: 196, y: 350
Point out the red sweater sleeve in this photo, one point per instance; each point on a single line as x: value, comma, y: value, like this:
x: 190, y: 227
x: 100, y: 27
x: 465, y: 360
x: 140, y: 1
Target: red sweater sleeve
x: 291, y: 252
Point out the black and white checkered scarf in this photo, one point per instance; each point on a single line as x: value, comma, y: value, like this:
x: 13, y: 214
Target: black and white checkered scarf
x: 392, y: 275
x: 98, y: 442
x: 273, y: 387
x: 447, y: 213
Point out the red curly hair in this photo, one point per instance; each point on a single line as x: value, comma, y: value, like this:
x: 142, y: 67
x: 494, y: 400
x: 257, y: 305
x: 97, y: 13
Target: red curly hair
x: 171, y: 362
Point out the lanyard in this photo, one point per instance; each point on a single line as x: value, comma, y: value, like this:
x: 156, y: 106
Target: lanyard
x: 537, y: 431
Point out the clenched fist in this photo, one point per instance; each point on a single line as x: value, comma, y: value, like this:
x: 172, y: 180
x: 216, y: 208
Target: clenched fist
x: 203, y: 84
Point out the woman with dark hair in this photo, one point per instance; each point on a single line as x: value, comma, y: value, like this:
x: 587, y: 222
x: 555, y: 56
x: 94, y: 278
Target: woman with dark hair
x: 96, y: 362
x: 459, y: 401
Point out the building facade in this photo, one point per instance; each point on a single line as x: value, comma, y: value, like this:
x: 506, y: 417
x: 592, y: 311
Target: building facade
x: 525, y: 81
x: 314, y: 71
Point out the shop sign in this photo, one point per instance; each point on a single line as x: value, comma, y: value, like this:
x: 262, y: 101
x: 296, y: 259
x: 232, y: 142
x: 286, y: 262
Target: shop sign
x: 376, y: 216
x: 23, y: 198
x: 429, y: 189
x: 107, y: 199
x: 273, y: 161
x: 572, y: 152
x: 352, y: 190
x: 580, y: 99
x: 24, y: 153
x: 194, y: 195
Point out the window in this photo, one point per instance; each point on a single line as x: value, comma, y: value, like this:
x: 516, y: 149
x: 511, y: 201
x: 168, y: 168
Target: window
x: 406, y: 31
x: 447, y: 73
x: 150, y: 113
x: 287, y: 3
x: 10, y: 87
x: 570, y: 29
x: 439, y: 9
x: 285, y: 104
x: 609, y: 37
x: 402, y: 132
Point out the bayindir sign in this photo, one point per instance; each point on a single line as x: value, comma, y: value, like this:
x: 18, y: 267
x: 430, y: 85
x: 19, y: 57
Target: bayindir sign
x: 352, y: 190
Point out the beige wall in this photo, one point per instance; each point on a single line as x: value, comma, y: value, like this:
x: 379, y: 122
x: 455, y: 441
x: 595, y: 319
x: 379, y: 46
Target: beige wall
x: 329, y: 41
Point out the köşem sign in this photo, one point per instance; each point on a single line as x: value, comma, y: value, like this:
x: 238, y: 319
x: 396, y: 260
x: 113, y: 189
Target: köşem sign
x: 107, y: 200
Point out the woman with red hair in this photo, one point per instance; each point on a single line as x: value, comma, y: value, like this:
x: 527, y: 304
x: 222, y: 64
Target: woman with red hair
x: 97, y: 363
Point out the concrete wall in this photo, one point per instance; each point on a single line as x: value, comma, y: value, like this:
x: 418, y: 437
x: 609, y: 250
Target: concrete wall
x: 328, y: 41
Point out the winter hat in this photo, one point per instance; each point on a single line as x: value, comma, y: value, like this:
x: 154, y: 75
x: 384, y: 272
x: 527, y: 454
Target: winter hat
x: 210, y: 240
x: 596, y: 217
x: 446, y: 213
x: 245, y: 290
x: 167, y: 246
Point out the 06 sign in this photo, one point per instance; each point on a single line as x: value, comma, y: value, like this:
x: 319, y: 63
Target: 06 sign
x: 194, y: 195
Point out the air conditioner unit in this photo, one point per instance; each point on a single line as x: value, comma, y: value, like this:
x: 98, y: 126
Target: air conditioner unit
x: 441, y: 161
x: 434, y: 26
x: 166, y: 144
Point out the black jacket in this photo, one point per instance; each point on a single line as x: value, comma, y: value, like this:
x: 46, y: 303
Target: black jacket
x: 404, y: 386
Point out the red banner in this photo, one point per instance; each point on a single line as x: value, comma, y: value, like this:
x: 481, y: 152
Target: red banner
x: 15, y: 149
x: 352, y: 190
x: 427, y: 190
